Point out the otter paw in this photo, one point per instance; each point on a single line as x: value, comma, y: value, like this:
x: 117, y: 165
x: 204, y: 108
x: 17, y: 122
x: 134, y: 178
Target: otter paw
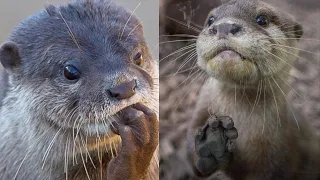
x: 214, y: 144
x: 139, y: 131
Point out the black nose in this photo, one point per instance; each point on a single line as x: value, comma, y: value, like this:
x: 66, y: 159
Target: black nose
x: 124, y: 90
x: 224, y: 29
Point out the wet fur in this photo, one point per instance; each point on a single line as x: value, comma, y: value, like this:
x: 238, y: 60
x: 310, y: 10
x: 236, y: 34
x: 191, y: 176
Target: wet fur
x: 40, y: 106
x: 270, y: 145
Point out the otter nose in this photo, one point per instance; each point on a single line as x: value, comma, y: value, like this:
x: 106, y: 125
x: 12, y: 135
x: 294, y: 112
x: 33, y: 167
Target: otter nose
x: 124, y: 90
x: 224, y: 29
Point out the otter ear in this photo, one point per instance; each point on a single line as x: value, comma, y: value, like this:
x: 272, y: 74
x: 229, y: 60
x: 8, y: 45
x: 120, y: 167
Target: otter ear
x: 10, y: 57
x: 298, y: 31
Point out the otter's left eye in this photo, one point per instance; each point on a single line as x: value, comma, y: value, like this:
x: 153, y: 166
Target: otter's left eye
x: 211, y: 21
x: 138, y: 59
x: 71, y: 73
x: 262, y: 20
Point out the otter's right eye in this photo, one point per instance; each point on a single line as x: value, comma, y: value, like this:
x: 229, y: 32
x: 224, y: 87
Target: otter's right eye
x: 262, y: 20
x: 211, y: 21
x: 71, y: 73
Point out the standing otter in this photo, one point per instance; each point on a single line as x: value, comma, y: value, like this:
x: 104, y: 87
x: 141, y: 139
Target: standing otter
x: 249, y: 47
x: 78, y: 75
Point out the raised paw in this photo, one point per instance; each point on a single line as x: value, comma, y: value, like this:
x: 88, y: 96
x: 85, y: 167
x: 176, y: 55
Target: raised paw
x: 214, y: 144
x: 139, y: 131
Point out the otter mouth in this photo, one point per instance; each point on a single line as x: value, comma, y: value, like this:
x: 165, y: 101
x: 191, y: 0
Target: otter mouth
x: 123, y: 110
x: 228, y: 54
x: 230, y: 50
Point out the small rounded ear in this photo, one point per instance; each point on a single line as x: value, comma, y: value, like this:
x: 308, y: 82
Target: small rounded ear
x: 298, y: 31
x: 10, y: 57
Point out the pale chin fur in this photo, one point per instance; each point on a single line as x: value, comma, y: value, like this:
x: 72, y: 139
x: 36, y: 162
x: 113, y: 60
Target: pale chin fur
x: 26, y: 127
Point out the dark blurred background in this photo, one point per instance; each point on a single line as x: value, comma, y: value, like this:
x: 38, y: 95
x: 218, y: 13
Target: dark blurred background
x: 179, y: 90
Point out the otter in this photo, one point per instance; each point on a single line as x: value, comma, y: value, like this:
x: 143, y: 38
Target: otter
x: 242, y: 124
x: 81, y: 96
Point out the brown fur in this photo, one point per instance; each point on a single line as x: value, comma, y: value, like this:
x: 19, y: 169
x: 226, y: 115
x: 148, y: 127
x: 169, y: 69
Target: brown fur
x: 270, y: 144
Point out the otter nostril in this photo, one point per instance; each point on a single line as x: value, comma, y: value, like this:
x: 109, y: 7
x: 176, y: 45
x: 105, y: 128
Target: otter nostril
x: 124, y: 90
x: 213, y: 30
x: 235, y: 29
x: 113, y: 94
x: 225, y: 29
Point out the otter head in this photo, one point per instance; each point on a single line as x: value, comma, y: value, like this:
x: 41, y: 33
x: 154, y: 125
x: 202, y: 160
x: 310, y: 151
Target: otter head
x: 78, y: 66
x: 244, y: 41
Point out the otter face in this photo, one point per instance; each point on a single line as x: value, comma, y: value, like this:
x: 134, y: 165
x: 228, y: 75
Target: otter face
x: 82, y: 64
x: 245, y: 41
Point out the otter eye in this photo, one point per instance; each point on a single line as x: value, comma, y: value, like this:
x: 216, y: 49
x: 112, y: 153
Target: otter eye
x: 211, y: 21
x: 71, y: 72
x: 262, y: 20
x: 138, y: 59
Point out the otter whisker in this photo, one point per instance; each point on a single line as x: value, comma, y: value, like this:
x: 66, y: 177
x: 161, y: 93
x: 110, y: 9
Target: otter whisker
x: 247, y: 97
x: 296, y: 49
x: 193, y: 66
x: 180, y: 72
x: 74, y: 139
x: 298, y: 39
x: 180, y: 40
x: 132, y: 13
x: 278, y: 57
x: 67, y: 156
x: 30, y: 150
x: 198, y: 89
x: 179, y: 50
x: 257, y: 97
x: 84, y: 164
x: 86, y: 144
x: 275, y: 101
x: 293, y: 75
x: 80, y: 124
x: 139, y: 24
x: 298, y: 57
x: 184, y: 81
x: 173, y: 61
x: 291, y: 88
x: 50, y: 146
x: 96, y: 121
x: 294, y: 116
x: 188, y: 59
x: 180, y: 35
x: 46, y: 52
x: 70, y: 115
x: 70, y: 32
x: 243, y: 92
x: 235, y: 98
x: 184, y: 24
x: 196, y: 78
x: 87, y: 152
x: 264, y: 106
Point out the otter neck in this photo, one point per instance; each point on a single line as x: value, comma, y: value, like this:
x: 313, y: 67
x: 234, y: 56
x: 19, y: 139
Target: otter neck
x: 263, y: 108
